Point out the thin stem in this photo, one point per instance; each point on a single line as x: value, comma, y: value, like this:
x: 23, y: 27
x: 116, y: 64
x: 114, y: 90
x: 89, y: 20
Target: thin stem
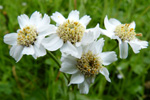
x: 57, y: 76
x: 54, y: 58
x: 114, y: 48
x: 58, y: 63
x: 18, y: 84
x: 75, y: 4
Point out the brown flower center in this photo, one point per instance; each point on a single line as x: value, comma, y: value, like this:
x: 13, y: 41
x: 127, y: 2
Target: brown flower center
x: 89, y: 64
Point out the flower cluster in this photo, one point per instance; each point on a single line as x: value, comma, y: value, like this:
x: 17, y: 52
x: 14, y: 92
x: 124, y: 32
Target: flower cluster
x: 82, y: 55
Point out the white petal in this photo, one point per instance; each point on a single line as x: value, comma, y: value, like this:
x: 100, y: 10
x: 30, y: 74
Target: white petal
x: 132, y: 25
x: 105, y: 72
x: 108, y: 25
x: 99, y: 45
x: 77, y: 44
x: 85, y: 20
x: 28, y: 50
x: 76, y: 78
x: 23, y: 20
x: 88, y: 37
x: 46, y: 30
x: 90, y: 80
x: 123, y: 50
x: 34, y: 56
x: 116, y: 37
x: 70, y: 49
x: 84, y: 87
x: 44, y: 21
x: 95, y: 47
x: 74, y: 15
x: 110, y: 34
x: 90, y: 47
x: 16, y: 52
x: 80, y: 50
x: 11, y: 39
x: 36, y: 18
x: 137, y: 45
x: 58, y: 18
x: 38, y: 41
x: 39, y: 51
x: 108, y: 57
x: 52, y: 43
x: 120, y: 76
x: 96, y: 31
x: 114, y: 21
x: 66, y: 58
x: 69, y: 67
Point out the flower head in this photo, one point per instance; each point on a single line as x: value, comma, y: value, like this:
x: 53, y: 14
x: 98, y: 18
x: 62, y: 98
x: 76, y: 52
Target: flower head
x: 70, y: 33
x: 28, y: 38
x: 124, y: 33
x: 90, y: 64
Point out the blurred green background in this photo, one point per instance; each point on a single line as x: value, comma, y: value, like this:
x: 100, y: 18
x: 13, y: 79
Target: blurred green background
x: 31, y: 79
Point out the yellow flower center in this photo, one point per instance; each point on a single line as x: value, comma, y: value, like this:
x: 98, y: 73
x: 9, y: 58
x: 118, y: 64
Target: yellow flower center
x: 124, y: 32
x: 71, y: 31
x: 89, y: 64
x: 27, y: 36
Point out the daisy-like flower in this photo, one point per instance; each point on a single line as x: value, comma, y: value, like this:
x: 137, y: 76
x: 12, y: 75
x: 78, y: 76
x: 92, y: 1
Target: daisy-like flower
x: 28, y: 38
x: 124, y: 33
x: 70, y: 33
x: 90, y: 63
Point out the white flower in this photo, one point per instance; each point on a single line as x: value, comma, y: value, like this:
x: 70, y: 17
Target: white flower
x: 70, y: 33
x: 1, y: 7
x: 24, y: 3
x: 124, y: 33
x: 28, y: 38
x: 120, y: 76
x: 85, y: 68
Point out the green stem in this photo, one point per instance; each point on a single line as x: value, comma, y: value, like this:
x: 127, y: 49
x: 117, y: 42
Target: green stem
x: 54, y: 58
x: 58, y: 63
x: 114, y: 48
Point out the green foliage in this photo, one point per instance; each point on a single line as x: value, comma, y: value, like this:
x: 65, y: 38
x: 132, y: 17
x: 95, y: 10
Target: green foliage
x: 31, y: 79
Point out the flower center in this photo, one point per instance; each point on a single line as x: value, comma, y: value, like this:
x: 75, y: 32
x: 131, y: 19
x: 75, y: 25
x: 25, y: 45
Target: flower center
x: 89, y: 64
x: 124, y: 32
x: 71, y: 31
x: 27, y: 36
